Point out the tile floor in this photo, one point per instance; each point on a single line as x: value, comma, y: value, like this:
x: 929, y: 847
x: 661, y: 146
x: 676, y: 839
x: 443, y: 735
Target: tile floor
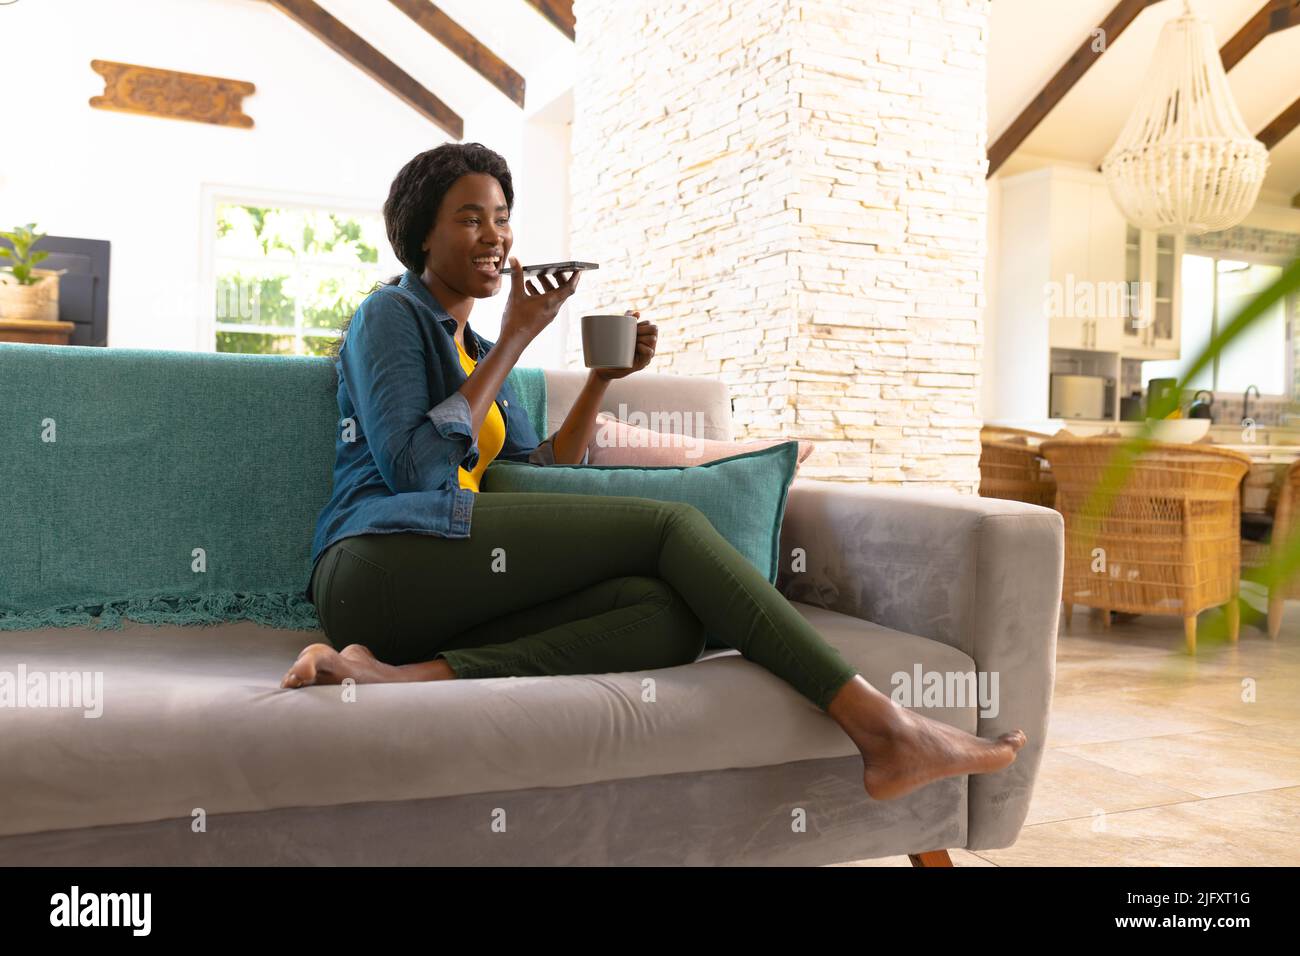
x: 1156, y: 758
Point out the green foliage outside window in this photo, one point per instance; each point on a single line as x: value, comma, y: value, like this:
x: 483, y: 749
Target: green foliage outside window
x: 290, y: 273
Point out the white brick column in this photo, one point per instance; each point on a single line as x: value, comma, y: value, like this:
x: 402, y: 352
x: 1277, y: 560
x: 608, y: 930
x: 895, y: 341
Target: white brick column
x: 793, y: 190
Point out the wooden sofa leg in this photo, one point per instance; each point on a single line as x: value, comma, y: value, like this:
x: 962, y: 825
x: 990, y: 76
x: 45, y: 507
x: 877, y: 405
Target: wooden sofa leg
x: 932, y: 858
x: 1234, y: 619
x: 1069, y: 614
x: 1276, y: 606
x: 1189, y: 633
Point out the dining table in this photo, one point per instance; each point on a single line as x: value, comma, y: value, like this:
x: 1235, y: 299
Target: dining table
x: 1268, y: 466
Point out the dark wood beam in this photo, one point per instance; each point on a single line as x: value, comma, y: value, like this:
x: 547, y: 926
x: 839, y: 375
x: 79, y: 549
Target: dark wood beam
x: 560, y: 13
x: 1079, y: 62
x: 461, y: 42
x: 370, y: 61
x: 1273, y: 16
x: 1281, y: 126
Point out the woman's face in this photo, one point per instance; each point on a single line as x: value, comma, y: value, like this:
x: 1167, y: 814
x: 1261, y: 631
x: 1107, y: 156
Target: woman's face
x: 472, y: 222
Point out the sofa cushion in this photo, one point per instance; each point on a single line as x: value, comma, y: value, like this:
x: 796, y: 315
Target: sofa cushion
x: 743, y: 496
x: 698, y: 404
x: 617, y: 442
x: 194, y: 718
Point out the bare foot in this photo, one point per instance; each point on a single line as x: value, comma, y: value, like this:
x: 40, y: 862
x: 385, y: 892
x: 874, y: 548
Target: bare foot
x: 322, y: 664
x: 903, y: 751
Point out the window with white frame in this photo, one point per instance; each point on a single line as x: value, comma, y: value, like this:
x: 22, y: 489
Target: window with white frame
x: 288, y: 276
x: 1216, y: 288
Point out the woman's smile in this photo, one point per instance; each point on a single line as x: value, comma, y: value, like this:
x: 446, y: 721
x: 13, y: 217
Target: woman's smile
x: 482, y: 265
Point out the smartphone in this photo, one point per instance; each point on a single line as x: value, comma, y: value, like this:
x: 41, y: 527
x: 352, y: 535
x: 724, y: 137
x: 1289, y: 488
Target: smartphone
x: 553, y: 268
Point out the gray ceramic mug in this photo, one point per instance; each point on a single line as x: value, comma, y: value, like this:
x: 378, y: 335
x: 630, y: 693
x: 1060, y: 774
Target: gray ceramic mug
x: 609, y: 341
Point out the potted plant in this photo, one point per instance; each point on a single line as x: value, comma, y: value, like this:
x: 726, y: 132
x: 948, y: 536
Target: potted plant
x: 27, y: 294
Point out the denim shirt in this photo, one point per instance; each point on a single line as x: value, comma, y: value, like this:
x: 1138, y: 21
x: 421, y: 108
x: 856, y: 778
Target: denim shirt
x: 404, y: 429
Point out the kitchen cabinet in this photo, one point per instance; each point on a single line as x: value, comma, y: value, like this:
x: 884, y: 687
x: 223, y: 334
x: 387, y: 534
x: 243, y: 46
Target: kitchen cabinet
x: 1067, y: 204
x: 1067, y: 295
x: 1153, y: 273
x: 1058, y: 273
x: 1106, y: 268
x: 1065, y: 222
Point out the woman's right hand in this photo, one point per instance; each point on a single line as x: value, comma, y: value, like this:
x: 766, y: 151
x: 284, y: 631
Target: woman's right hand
x: 528, y: 312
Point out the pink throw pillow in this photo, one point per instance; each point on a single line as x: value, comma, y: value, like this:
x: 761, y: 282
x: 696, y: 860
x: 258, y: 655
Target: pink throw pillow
x: 617, y: 442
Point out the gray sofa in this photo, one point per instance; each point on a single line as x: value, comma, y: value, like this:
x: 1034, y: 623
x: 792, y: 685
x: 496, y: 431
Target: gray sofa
x: 200, y: 758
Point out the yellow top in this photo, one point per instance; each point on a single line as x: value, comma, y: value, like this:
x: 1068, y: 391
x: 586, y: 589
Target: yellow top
x: 491, y: 438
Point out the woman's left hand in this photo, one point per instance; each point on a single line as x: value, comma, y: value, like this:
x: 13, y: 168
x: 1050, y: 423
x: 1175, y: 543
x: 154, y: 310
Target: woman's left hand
x: 647, y: 337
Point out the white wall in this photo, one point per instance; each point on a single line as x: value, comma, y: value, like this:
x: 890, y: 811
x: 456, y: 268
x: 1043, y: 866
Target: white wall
x: 543, y: 210
x: 1273, y: 216
x: 322, y: 129
x: 989, y: 367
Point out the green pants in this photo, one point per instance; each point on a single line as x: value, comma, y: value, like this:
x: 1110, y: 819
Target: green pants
x: 567, y: 584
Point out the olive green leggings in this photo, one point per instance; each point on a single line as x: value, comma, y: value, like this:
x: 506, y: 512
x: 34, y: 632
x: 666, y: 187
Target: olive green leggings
x: 567, y: 584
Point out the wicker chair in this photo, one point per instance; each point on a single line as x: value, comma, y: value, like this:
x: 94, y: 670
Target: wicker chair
x: 1169, y: 539
x: 1286, y: 522
x: 1011, y: 467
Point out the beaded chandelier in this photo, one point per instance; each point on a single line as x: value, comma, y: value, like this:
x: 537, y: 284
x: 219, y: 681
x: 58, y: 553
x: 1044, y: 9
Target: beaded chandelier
x: 1185, y: 161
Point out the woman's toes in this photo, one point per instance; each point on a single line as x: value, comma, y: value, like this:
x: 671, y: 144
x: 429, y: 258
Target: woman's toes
x: 1016, y: 739
x: 322, y: 664
x: 312, y: 666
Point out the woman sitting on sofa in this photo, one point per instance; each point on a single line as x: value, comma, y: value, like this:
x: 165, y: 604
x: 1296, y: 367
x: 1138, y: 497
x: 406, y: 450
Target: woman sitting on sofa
x: 407, y: 591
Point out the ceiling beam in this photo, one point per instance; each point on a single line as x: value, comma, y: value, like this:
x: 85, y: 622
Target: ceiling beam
x: 1069, y: 74
x: 1281, y: 126
x: 461, y: 42
x: 370, y: 61
x: 560, y: 13
x: 1273, y: 16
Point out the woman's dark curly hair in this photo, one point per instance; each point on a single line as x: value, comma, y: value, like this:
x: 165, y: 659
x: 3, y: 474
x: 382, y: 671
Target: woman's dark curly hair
x: 416, y: 196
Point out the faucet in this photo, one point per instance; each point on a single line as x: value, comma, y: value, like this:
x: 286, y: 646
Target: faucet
x: 1245, y: 402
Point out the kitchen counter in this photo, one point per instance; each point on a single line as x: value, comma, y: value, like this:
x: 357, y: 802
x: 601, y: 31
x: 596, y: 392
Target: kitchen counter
x: 1273, y: 451
x: 1267, y: 438
x: 1287, y: 453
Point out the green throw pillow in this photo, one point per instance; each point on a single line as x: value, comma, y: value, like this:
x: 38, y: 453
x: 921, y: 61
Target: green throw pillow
x: 742, y: 496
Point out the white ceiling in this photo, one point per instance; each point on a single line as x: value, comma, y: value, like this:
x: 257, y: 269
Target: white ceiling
x: 1029, y: 40
x: 523, y: 38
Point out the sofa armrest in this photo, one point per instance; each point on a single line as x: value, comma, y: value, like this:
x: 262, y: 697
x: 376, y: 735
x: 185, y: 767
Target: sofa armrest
x: 982, y: 575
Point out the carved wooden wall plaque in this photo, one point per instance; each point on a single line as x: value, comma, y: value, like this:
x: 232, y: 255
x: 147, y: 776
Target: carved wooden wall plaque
x: 130, y: 88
